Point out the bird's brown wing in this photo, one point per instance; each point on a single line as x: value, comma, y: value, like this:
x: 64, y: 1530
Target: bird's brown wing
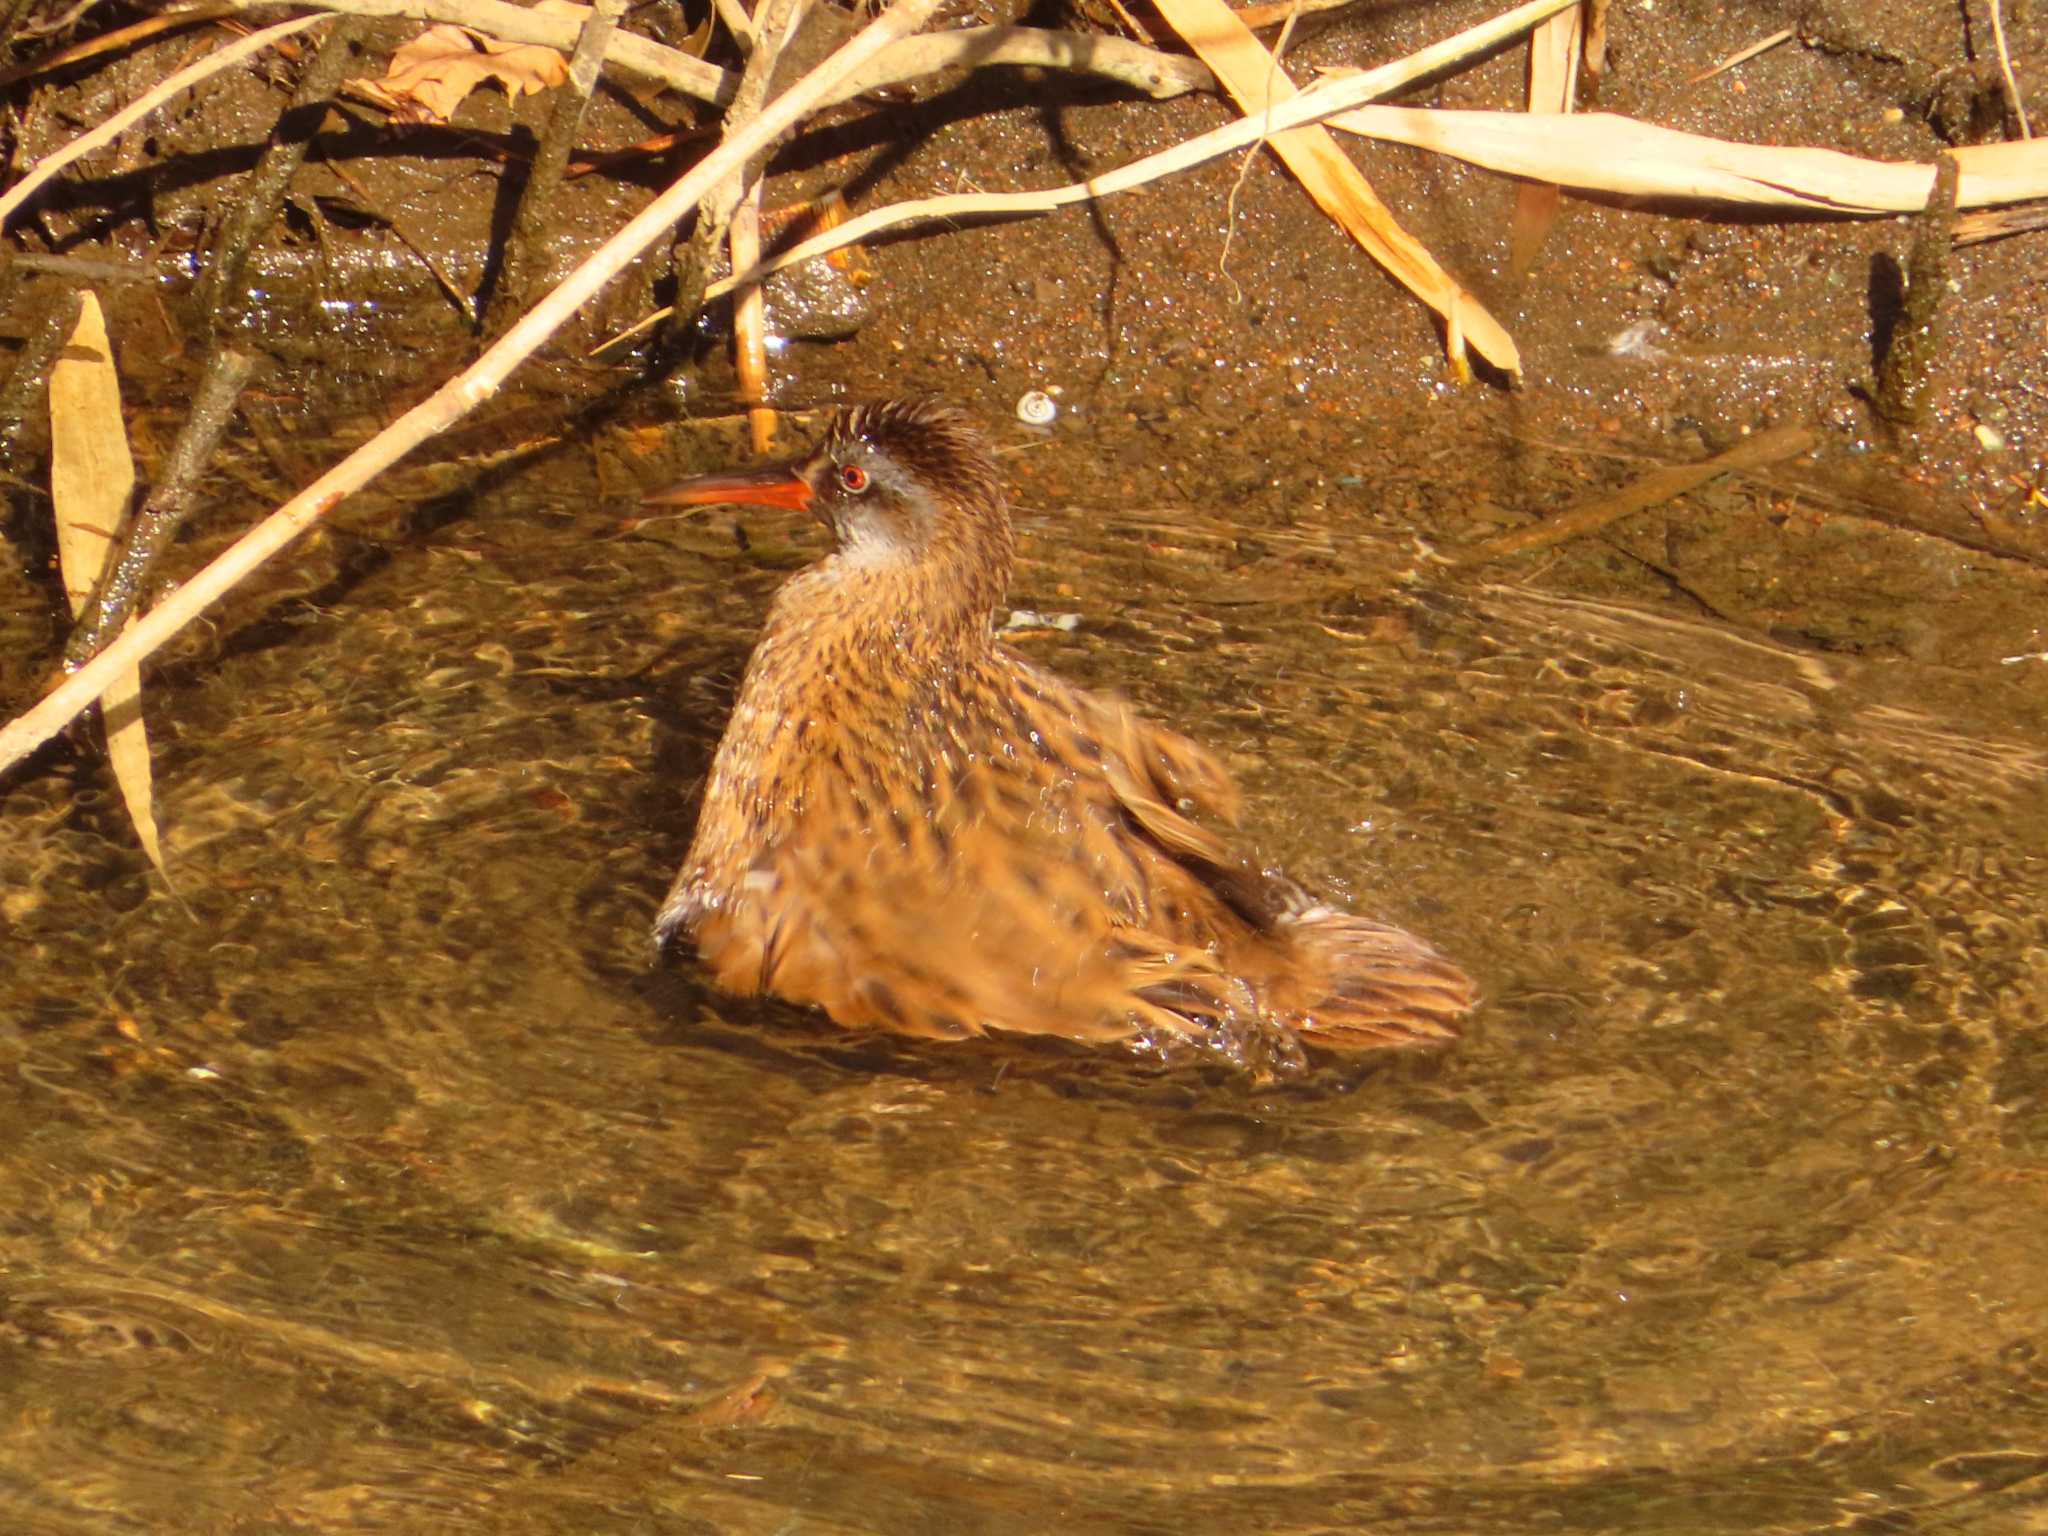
x: 1336, y: 978
x: 1045, y: 860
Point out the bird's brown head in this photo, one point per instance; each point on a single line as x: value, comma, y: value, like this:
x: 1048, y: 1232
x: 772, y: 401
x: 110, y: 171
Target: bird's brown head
x: 900, y: 483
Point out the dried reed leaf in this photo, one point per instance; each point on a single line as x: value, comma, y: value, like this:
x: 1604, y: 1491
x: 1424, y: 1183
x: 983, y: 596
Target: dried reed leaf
x: 1553, y: 77
x: 1252, y: 76
x: 91, y: 479
x: 1602, y: 152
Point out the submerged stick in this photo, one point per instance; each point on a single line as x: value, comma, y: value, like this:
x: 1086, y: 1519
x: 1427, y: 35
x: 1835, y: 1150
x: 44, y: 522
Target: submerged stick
x: 23, y: 392
x: 264, y: 188
x: 1660, y: 485
x: 169, y: 503
x: 519, y: 277
x: 455, y: 399
x: 1905, y: 374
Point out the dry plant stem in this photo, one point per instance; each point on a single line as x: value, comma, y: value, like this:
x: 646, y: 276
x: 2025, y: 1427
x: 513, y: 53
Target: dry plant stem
x: 170, y: 502
x: 1330, y: 96
x: 1336, y: 184
x: 454, y: 399
x: 1744, y: 55
x: 1905, y: 375
x: 1660, y: 485
x: 84, y: 269
x: 750, y: 322
x: 520, y: 278
x: 551, y: 29
x: 1159, y: 75
x: 777, y: 21
x: 110, y: 130
x: 1135, y: 27
x: 1593, y: 151
x: 114, y: 41
x: 1603, y: 152
x: 264, y: 188
x: 1992, y: 224
x: 1144, y: 69
x: 714, y: 220
x: 737, y: 22
x: 2012, y: 87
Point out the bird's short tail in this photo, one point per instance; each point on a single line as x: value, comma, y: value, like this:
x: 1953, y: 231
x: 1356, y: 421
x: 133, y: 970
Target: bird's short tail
x: 1363, y: 984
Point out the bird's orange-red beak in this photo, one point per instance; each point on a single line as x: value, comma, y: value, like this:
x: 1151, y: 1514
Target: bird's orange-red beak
x: 781, y: 485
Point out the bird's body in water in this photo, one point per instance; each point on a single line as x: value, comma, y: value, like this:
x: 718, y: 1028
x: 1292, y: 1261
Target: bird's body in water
x: 917, y: 829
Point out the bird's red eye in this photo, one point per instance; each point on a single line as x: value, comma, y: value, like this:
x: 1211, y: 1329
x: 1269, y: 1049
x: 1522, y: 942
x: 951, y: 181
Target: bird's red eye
x: 853, y: 477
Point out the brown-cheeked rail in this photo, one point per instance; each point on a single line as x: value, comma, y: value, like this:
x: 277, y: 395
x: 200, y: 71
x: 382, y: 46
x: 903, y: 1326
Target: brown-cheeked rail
x: 916, y: 829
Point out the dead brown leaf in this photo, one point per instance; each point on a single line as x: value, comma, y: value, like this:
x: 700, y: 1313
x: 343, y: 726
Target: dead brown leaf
x: 434, y: 73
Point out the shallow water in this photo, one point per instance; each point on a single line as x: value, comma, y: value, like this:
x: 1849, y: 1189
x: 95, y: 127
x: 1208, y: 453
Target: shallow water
x: 377, y: 1181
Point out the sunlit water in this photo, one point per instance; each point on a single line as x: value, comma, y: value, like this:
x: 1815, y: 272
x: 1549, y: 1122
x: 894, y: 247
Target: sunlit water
x: 379, y: 1182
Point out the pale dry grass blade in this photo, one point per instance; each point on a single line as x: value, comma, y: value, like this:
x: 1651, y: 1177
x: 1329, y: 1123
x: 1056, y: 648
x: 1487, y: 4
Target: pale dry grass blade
x: 2012, y: 86
x: 92, y: 478
x: 1602, y: 152
x: 1744, y: 55
x: 1339, y: 188
x: 1594, y: 152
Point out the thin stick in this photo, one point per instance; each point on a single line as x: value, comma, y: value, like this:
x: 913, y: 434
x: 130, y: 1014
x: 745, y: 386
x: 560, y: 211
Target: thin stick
x: 1596, y: 37
x: 1744, y: 55
x: 263, y: 189
x: 1660, y: 485
x: 1157, y: 74
x: 1331, y: 95
x: 519, y: 277
x: 1584, y: 151
x: 457, y: 397
x: 1905, y: 374
x: 170, y: 502
x: 737, y: 205
x: 2012, y: 88
x: 111, y: 42
x: 148, y: 102
x: 737, y: 22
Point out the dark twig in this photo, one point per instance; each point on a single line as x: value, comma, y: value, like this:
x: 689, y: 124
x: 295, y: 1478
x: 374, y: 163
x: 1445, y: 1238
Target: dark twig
x: 525, y: 268
x: 263, y: 192
x: 114, y: 41
x: 169, y: 504
x: 1660, y: 485
x: 22, y: 397
x: 1905, y: 373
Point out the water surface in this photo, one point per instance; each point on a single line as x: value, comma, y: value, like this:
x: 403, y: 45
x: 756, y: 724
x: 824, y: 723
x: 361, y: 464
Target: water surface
x: 376, y: 1181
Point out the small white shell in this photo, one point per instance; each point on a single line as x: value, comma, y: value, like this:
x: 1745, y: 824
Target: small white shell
x: 1035, y: 408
